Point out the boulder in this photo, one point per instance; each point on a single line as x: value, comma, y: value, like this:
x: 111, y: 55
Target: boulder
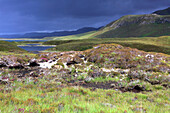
x: 15, y: 66
x: 3, y: 64
x: 88, y: 79
x: 75, y: 60
x: 4, y: 80
x: 33, y: 63
x: 80, y: 56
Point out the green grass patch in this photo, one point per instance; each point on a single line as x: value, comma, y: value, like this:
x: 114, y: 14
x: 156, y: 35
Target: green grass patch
x: 10, y: 46
x: 41, y: 98
x: 149, y: 44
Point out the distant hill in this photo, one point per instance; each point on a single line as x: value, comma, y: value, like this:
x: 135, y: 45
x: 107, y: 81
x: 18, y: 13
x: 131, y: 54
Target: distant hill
x: 47, y: 34
x: 163, y: 12
x: 149, y: 25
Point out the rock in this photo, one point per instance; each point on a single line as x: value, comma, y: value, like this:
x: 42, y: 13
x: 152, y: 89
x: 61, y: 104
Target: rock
x: 109, y: 105
x: 71, y: 62
x: 74, y: 60
x: 137, y: 75
x: 88, y: 79
x: 4, y: 80
x: 154, y: 82
x: 80, y: 56
x: 116, y: 89
x: 2, y: 64
x: 33, y: 63
x: 15, y: 66
x: 33, y: 74
x: 134, y: 82
x: 137, y: 89
x: 139, y: 109
x: 77, y: 59
x: 58, y: 66
x: 112, y: 85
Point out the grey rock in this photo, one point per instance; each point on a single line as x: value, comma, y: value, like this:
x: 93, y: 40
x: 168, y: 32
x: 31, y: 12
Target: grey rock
x: 88, y: 79
x: 109, y: 105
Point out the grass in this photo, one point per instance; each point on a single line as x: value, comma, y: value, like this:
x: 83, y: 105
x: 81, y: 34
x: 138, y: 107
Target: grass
x: 149, y: 44
x: 51, y: 93
x: 73, y: 37
x: 18, y: 54
x: 49, y: 97
x: 27, y: 42
x: 151, y: 30
x: 10, y: 46
x: 136, y: 26
x: 46, y: 95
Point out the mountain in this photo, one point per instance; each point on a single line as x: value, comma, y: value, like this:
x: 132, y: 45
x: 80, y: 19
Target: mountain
x: 47, y: 34
x: 163, y: 12
x: 150, y: 25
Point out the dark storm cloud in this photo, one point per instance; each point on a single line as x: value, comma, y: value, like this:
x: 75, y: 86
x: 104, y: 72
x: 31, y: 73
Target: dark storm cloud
x: 39, y: 15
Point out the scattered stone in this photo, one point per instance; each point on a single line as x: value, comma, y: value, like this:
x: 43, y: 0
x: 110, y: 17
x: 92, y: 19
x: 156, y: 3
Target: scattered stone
x: 2, y: 64
x: 71, y: 62
x: 109, y: 105
x: 137, y: 89
x: 16, y: 66
x: 112, y: 85
x: 88, y: 79
x: 81, y: 56
x: 33, y: 63
x: 140, y: 109
x: 4, y: 81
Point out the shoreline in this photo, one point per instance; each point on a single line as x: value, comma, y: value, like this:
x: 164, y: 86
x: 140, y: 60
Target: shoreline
x: 26, y: 39
x: 37, y: 45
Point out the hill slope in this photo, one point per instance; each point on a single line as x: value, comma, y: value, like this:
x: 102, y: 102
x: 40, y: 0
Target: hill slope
x: 10, y: 46
x: 149, y: 25
x: 86, y: 35
x: 163, y: 12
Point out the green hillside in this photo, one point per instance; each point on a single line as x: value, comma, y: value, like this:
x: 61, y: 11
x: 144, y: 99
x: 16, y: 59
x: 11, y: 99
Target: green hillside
x: 73, y: 37
x: 149, y: 44
x: 9, y: 46
x: 137, y: 26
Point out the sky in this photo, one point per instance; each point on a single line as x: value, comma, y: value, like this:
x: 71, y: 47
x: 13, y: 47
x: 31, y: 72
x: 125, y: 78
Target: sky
x: 19, y: 16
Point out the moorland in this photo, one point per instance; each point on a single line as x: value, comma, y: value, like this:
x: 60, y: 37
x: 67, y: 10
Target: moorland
x: 114, y: 69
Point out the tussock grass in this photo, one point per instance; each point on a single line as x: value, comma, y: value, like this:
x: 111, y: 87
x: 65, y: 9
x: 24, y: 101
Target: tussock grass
x: 39, y: 98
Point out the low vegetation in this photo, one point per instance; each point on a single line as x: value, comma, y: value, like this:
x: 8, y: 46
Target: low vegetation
x: 106, y: 78
x: 73, y: 37
x: 10, y: 47
x: 92, y: 72
x: 149, y: 44
x: 150, y: 25
x: 47, y: 97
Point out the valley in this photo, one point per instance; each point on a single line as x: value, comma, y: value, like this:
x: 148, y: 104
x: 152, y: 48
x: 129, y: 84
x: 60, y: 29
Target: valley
x: 123, y: 67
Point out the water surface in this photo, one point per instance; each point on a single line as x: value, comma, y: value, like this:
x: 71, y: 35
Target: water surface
x: 25, y: 40
x: 35, y: 48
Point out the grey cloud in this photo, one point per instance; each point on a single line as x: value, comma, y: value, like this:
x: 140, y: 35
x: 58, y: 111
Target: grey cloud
x: 36, y: 15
